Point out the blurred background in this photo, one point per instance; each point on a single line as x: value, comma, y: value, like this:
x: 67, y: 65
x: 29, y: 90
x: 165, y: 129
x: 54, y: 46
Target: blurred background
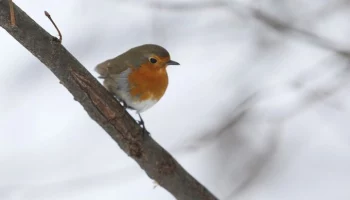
x: 258, y: 109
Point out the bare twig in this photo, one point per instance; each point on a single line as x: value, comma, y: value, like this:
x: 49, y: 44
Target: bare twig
x: 236, y: 116
x: 12, y: 14
x: 311, y: 96
x: 308, y: 36
x: 263, y: 17
x: 101, y: 105
x: 58, y: 30
x: 186, y: 6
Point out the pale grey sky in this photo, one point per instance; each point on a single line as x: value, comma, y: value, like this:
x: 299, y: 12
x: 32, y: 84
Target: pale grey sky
x: 289, y: 144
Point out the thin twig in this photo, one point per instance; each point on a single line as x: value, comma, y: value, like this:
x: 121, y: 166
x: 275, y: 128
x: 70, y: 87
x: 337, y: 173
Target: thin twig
x: 262, y: 16
x: 310, y: 37
x: 58, y: 30
x: 12, y: 14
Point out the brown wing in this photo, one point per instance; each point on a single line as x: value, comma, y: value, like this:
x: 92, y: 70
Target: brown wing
x: 133, y: 58
x: 111, y: 67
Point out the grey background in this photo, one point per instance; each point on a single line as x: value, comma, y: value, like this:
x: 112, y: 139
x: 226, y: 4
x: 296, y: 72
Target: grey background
x: 253, y: 111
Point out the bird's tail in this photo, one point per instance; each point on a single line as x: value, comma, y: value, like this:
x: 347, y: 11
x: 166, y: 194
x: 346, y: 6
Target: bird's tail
x: 102, y: 69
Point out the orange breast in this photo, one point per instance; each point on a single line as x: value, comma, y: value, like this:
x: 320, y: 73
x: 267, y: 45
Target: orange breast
x: 148, y: 82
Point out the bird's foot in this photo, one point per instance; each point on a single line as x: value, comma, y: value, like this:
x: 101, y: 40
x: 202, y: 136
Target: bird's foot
x: 122, y: 103
x: 142, y: 124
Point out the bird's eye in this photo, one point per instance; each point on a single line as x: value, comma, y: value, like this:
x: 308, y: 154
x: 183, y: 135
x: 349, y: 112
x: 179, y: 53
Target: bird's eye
x: 153, y: 60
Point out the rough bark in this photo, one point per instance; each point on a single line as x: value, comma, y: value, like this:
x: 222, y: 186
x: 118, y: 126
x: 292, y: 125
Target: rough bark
x: 102, y: 107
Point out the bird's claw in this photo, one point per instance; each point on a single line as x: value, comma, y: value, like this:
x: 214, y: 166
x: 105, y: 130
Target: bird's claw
x: 142, y: 124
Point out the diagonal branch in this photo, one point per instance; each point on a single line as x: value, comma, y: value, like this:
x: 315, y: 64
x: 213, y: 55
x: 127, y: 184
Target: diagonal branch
x: 103, y: 108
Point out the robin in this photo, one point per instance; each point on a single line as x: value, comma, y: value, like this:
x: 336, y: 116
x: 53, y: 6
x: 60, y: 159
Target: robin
x: 138, y: 77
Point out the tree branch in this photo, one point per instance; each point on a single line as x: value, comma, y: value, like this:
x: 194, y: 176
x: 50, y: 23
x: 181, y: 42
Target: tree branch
x: 103, y: 107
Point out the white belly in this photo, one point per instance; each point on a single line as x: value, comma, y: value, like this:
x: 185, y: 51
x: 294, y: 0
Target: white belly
x: 140, y: 106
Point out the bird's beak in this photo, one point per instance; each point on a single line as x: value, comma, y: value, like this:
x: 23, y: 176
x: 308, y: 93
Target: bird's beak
x: 171, y: 62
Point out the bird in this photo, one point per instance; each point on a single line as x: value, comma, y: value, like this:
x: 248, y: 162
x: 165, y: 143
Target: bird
x: 138, y: 77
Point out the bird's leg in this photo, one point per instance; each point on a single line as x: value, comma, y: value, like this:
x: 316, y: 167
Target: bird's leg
x: 142, y: 124
x: 123, y: 103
